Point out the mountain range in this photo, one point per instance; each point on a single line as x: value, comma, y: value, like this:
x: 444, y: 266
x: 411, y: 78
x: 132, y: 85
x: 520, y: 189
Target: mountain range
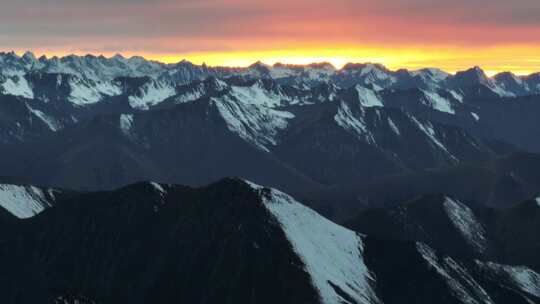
x: 401, y: 185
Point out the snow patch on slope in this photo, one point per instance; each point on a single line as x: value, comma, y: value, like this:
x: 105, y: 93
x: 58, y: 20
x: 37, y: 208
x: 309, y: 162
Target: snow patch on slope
x: 158, y: 187
x: 126, y: 122
x: 520, y: 277
x: 151, y: 94
x: 456, y: 95
x: 467, y: 224
x: 23, y: 202
x: 255, y: 124
x: 346, y: 119
x: 256, y: 95
x: 52, y: 123
x: 367, y: 97
x: 18, y: 86
x: 393, y: 126
x: 428, y: 129
x: 331, y: 254
x: 85, y: 92
x: 438, y: 102
x: 460, y: 282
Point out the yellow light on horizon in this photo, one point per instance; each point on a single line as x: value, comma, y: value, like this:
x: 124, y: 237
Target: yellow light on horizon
x: 518, y: 59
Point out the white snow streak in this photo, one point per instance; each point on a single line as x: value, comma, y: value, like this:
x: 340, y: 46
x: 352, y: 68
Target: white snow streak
x: 52, y: 123
x: 467, y: 224
x: 126, y: 122
x: 438, y: 103
x: 84, y: 92
x: 331, y: 253
x: 151, y: 94
x: 18, y: 86
x: 393, y: 126
x: 158, y: 187
x: 455, y: 276
x: 428, y: 129
x: 23, y: 202
x: 367, y: 97
x: 520, y: 277
x: 348, y: 121
x: 255, y: 124
x: 256, y: 95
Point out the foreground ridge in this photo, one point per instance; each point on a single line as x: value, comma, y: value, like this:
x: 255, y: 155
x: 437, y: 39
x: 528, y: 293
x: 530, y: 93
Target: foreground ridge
x: 234, y: 240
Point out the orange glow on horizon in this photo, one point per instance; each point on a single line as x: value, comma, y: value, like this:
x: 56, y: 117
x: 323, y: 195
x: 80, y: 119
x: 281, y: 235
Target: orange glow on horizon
x: 521, y: 60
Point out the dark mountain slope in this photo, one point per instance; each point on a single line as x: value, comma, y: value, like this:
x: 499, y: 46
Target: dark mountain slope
x: 230, y: 242
x: 148, y: 244
x: 506, y: 235
x: 498, y: 183
x: 187, y: 144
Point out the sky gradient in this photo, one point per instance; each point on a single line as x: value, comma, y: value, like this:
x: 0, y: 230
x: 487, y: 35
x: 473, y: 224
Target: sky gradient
x: 498, y: 35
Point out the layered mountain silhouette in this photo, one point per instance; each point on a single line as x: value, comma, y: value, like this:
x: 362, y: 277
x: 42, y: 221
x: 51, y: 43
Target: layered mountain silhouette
x: 434, y: 175
x: 232, y: 242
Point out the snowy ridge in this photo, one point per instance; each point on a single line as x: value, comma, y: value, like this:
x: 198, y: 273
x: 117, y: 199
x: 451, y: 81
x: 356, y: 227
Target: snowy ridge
x: 393, y: 126
x: 369, y: 74
x: 457, y: 96
x: 427, y: 128
x: 23, y: 201
x: 367, y: 97
x: 151, y: 94
x: 332, y: 254
x: 355, y: 124
x: 518, y: 277
x: 17, y: 86
x: 257, y: 95
x: 255, y: 124
x: 438, y: 103
x: 466, y: 223
x: 85, y: 91
x: 52, y: 123
x: 158, y: 188
x: 460, y: 282
x: 101, y: 68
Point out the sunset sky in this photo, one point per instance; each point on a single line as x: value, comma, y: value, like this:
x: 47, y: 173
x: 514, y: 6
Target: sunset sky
x: 453, y: 35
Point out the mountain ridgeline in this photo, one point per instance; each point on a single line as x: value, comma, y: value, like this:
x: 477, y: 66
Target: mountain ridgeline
x: 95, y: 123
x: 229, y: 242
x: 402, y: 186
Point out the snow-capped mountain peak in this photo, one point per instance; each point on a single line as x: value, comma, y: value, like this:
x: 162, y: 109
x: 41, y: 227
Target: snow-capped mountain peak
x: 333, y: 255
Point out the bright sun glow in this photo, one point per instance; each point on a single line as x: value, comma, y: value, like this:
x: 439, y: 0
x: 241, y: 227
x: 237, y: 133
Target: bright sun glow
x: 521, y: 60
